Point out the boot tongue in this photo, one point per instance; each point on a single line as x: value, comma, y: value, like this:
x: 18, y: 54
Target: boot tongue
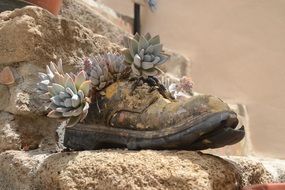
x: 119, y: 96
x: 145, y: 90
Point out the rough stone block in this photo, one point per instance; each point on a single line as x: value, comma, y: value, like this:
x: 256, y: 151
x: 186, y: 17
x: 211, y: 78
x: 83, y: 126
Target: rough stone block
x: 94, y: 16
x: 116, y: 169
x: 24, y: 132
x: 32, y: 34
x: 9, y: 137
x: 122, y: 169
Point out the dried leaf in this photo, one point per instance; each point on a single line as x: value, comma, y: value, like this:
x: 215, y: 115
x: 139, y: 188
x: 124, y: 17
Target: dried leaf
x: 72, y: 121
x: 54, y: 114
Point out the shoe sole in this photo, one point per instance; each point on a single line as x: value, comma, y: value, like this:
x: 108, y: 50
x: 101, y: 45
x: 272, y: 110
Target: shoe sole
x: 208, y: 131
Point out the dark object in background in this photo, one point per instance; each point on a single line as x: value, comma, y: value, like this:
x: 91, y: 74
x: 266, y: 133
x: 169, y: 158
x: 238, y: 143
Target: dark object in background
x: 52, y: 6
x: 11, y: 5
x: 137, y: 19
x: 152, y: 4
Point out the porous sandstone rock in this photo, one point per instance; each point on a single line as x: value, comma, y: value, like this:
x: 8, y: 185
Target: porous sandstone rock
x: 9, y: 137
x: 18, y: 169
x: 32, y: 34
x: 21, y: 132
x: 257, y: 170
x: 253, y: 172
x: 30, y: 38
x: 4, y: 96
x: 116, y: 169
x: 91, y: 14
x: 122, y: 169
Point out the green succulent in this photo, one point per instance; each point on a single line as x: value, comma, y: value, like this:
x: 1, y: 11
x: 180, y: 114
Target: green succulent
x: 144, y: 54
x: 68, y: 94
x: 104, y: 69
x: 54, y: 74
x: 70, y: 100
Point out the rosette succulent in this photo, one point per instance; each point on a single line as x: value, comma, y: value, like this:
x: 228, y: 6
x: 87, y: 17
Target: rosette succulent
x: 178, y: 87
x: 144, y: 54
x: 67, y: 94
x: 54, y: 73
x: 104, y: 69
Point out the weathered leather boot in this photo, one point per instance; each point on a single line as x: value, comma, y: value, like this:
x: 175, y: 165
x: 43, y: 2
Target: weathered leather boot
x: 144, y: 119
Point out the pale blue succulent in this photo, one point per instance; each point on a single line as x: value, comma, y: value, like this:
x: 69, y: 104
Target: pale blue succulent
x: 54, y: 73
x: 105, y: 69
x: 70, y: 99
x: 67, y: 94
x: 144, y: 54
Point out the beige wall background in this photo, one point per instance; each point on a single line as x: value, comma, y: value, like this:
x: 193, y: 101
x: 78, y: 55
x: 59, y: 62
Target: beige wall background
x: 238, y: 53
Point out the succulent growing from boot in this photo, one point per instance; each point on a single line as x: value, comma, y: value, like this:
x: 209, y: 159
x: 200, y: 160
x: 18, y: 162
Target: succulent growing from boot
x: 68, y: 96
x: 135, y: 118
x: 144, y: 54
x: 104, y: 69
x: 70, y: 99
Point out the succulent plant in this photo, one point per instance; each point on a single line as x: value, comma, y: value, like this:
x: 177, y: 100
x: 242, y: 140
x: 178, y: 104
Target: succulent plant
x: 70, y: 100
x: 144, y: 54
x: 66, y: 93
x: 179, y: 88
x: 54, y: 74
x: 186, y: 84
x: 105, y: 69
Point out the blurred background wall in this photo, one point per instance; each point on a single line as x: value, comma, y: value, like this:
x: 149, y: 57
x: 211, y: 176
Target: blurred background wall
x: 237, y: 49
